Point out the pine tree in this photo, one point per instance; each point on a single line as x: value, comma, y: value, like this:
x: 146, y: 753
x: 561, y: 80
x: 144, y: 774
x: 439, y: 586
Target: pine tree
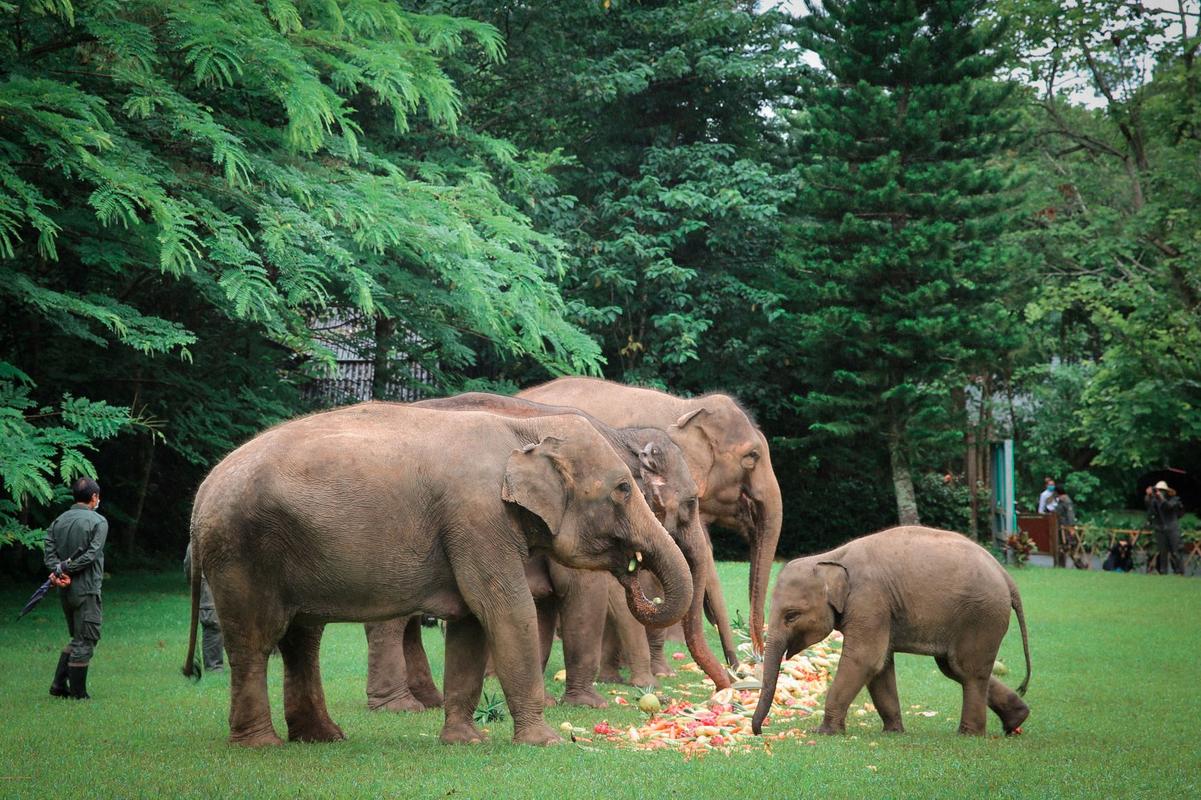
x: 893, y: 261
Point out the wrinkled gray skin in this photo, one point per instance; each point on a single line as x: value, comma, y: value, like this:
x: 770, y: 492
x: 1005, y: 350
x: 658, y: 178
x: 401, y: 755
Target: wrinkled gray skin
x: 398, y: 672
x: 379, y: 511
x: 729, y: 460
x: 902, y: 590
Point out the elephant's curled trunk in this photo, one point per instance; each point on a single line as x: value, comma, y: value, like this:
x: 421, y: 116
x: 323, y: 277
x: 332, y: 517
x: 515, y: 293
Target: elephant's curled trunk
x: 662, y: 557
x: 771, y: 672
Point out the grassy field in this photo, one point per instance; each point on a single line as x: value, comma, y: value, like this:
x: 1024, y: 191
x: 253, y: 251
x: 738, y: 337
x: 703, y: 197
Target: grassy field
x: 1115, y: 701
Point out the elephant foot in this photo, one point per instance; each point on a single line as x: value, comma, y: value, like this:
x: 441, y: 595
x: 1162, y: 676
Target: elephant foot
x: 537, y: 735
x: 894, y: 727
x: 267, y: 738
x: 428, y: 697
x: 584, y: 697
x: 315, y: 731
x: 609, y: 675
x: 644, y: 680
x: 661, y: 670
x: 1012, y: 722
x: 967, y: 730
x: 830, y: 730
x: 403, y: 703
x: 461, y: 733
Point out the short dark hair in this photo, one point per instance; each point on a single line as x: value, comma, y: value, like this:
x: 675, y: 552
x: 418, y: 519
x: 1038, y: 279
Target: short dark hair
x: 82, y: 489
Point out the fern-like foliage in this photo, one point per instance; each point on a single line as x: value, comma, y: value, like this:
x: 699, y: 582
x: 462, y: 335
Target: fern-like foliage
x: 184, y: 185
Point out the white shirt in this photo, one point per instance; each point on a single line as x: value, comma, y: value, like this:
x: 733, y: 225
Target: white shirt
x: 1046, y: 501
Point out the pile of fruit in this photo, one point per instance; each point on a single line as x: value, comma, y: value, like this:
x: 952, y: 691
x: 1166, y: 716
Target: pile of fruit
x: 721, y: 721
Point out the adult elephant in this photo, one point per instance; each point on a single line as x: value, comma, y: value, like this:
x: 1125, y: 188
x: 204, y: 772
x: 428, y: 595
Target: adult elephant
x: 727, y: 454
x: 379, y: 511
x: 398, y: 673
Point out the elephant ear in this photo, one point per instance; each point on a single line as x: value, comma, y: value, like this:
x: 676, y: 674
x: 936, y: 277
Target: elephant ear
x: 650, y: 472
x: 697, y: 423
x: 537, y: 479
x: 838, y: 584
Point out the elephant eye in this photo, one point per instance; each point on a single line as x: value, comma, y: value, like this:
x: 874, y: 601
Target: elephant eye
x: 624, y: 489
x: 750, y: 459
x: 791, y: 617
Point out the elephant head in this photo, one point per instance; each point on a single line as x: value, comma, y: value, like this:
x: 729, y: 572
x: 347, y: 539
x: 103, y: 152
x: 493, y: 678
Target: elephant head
x: 575, y: 483
x: 729, y: 457
x: 808, y: 601
x: 672, y: 494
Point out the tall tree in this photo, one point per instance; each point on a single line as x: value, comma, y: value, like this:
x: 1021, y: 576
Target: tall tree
x: 186, y: 185
x: 893, y: 263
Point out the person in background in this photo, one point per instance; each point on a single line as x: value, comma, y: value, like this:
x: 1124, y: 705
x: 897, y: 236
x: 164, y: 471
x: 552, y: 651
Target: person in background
x: 1121, y: 557
x: 74, y: 547
x: 1046, y: 500
x: 1069, y: 537
x: 213, y: 645
x: 1163, y: 511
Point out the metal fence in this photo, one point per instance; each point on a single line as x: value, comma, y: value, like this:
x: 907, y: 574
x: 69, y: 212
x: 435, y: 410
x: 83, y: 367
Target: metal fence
x: 350, y: 338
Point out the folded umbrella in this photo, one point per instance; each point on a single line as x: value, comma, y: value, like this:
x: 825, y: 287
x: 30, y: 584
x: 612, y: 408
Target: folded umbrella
x: 40, y: 592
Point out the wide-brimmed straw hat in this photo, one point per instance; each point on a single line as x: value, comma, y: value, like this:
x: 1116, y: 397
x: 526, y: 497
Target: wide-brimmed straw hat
x: 1163, y: 485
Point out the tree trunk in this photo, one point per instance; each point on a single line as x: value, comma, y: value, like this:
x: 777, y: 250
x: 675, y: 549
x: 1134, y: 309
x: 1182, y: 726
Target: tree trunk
x: 131, y: 534
x: 381, y: 373
x: 902, y: 479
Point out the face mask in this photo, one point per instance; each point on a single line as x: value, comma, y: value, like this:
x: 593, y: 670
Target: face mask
x: 1050, y: 487
x: 96, y: 506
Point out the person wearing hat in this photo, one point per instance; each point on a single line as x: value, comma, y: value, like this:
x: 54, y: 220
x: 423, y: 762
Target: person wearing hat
x: 1164, y: 510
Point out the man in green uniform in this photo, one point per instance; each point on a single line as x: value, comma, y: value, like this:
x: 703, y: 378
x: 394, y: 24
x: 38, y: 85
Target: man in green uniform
x: 213, y: 646
x: 75, y: 547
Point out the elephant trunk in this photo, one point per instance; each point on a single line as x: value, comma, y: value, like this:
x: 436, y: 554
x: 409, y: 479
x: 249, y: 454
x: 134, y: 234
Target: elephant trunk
x: 663, y: 558
x: 700, y: 558
x: 776, y: 647
x: 768, y: 517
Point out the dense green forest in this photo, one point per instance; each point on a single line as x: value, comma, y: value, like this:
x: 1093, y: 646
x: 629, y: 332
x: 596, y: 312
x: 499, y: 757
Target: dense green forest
x: 891, y: 228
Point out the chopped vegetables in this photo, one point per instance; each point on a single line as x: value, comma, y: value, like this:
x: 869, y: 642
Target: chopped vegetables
x: 722, y: 722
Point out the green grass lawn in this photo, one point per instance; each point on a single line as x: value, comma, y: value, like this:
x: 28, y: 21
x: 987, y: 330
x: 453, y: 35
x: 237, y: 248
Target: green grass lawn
x: 1115, y: 707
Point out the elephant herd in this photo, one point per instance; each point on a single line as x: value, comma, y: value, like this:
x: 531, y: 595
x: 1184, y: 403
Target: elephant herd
x: 499, y: 515
x: 581, y: 505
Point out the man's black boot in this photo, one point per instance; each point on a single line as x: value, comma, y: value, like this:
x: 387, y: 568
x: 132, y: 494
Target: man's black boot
x: 59, y: 687
x: 77, y: 676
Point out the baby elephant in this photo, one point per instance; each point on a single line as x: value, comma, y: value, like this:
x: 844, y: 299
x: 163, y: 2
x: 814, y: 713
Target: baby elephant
x: 908, y: 590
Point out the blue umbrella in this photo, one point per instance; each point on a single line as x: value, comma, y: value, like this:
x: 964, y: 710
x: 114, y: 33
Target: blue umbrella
x: 37, y: 596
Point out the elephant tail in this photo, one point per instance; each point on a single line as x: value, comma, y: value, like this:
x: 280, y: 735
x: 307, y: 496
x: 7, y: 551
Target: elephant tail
x: 191, y: 667
x: 1015, y: 600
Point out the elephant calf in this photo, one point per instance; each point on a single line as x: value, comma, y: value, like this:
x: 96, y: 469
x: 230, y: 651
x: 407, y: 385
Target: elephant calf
x: 903, y: 590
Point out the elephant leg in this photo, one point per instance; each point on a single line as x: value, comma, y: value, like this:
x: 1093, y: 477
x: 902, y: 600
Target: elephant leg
x: 631, y: 637
x: 548, y: 618
x: 421, y: 679
x: 512, y: 630
x: 883, y: 689
x: 304, y: 699
x: 973, y: 717
x: 655, y: 639
x: 463, y: 680
x: 387, y: 673
x: 863, y: 656
x: 252, y: 626
x: 1007, y: 705
x: 249, y: 712
x: 582, y: 611
x: 610, y: 663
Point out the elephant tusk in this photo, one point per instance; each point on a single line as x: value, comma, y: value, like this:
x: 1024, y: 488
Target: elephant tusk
x: 638, y: 556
